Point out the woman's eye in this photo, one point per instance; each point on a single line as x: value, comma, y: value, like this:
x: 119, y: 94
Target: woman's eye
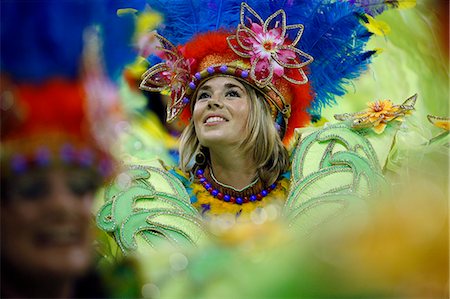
x: 203, y: 95
x: 82, y: 186
x: 232, y: 93
x: 32, y: 188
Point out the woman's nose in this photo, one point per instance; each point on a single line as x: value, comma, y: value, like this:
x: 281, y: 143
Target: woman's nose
x: 214, y: 102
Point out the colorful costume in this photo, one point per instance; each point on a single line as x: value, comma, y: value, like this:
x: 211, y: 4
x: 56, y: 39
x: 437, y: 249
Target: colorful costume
x: 331, y: 166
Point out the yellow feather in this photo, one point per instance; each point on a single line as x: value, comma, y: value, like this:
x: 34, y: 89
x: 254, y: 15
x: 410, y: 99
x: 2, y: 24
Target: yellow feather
x: 376, y: 27
x: 405, y: 3
x: 147, y: 21
x: 138, y: 67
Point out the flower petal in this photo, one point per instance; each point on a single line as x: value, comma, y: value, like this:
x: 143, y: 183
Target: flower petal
x: 256, y: 28
x: 155, y: 79
x: 278, y: 70
x: 293, y: 34
x: 249, y: 16
x: 294, y: 81
x: 169, y: 51
x: 261, y: 71
x: 236, y: 47
x: 379, y: 128
x: 245, y: 38
x: 291, y: 57
x: 276, y: 20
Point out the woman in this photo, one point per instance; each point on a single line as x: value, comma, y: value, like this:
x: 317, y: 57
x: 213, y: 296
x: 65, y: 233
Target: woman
x: 242, y: 93
x: 238, y: 151
x: 53, y: 159
x: 47, y: 237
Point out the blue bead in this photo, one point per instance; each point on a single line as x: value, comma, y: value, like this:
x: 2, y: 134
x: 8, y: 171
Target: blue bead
x: 18, y: 164
x: 273, y: 186
x: 192, y: 85
x: 226, y: 197
x: 253, y: 198
x: 210, y: 70
x: 239, y: 200
x: 244, y: 74
x: 264, y: 193
x: 198, y: 76
x: 223, y: 68
x: 215, y: 192
x: 185, y: 100
x: 200, y: 171
x: 202, y: 180
x: 207, y: 186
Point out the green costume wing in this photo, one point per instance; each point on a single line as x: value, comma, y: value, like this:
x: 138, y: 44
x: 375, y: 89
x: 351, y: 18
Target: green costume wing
x: 147, y: 205
x: 332, y: 168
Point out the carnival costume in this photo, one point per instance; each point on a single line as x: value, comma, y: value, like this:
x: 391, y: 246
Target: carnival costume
x: 298, y: 55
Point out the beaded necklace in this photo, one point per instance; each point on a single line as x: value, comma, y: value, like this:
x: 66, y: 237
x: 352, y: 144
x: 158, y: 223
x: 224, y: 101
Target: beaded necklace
x: 237, y: 196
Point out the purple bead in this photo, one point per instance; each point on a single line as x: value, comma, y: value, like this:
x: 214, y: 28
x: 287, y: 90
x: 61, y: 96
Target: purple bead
x: 244, y: 74
x: 210, y: 70
x: 185, y: 100
x: 273, y: 186
x: 86, y: 157
x: 264, y: 193
x: 239, y: 200
x: 67, y: 153
x: 226, y: 197
x: 43, y: 156
x: 277, y: 127
x: 253, y: 197
x: 199, y: 171
x: 18, y: 164
x: 202, y: 180
x: 207, y: 185
x: 198, y: 76
x: 215, y: 192
x: 192, y: 85
x: 223, y: 68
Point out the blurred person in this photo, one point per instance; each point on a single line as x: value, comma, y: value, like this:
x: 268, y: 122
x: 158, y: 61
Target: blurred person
x: 51, y: 170
x: 58, y: 112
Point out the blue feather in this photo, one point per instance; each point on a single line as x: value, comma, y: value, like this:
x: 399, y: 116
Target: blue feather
x: 42, y: 39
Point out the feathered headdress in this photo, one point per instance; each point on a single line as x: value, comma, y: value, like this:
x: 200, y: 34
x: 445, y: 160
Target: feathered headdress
x: 49, y: 99
x: 269, y: 44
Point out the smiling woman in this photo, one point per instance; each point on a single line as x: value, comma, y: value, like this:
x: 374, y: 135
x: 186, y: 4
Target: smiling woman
x: 236, y: 146
x: 46, y: 230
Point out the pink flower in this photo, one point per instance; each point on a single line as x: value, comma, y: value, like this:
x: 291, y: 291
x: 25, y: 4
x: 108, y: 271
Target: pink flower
x: 268, y: 46
x: 171, y: 76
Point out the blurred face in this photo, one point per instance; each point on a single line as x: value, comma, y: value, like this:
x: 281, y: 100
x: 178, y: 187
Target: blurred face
x: 221, y: 112
x: 46, y: 222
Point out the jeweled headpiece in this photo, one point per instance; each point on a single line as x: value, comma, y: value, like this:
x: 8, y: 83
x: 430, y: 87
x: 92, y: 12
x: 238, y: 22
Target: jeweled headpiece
x: 210, y: 38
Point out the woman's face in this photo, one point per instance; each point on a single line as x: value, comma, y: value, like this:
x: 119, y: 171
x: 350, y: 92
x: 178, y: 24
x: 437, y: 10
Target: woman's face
x: 221, y: 112
x: 46, y: 222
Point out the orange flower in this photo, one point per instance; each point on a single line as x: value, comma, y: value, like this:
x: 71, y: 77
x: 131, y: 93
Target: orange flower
x: 379, y: 114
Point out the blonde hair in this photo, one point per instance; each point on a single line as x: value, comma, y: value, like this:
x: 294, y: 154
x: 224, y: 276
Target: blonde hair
x: 263, y: 141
